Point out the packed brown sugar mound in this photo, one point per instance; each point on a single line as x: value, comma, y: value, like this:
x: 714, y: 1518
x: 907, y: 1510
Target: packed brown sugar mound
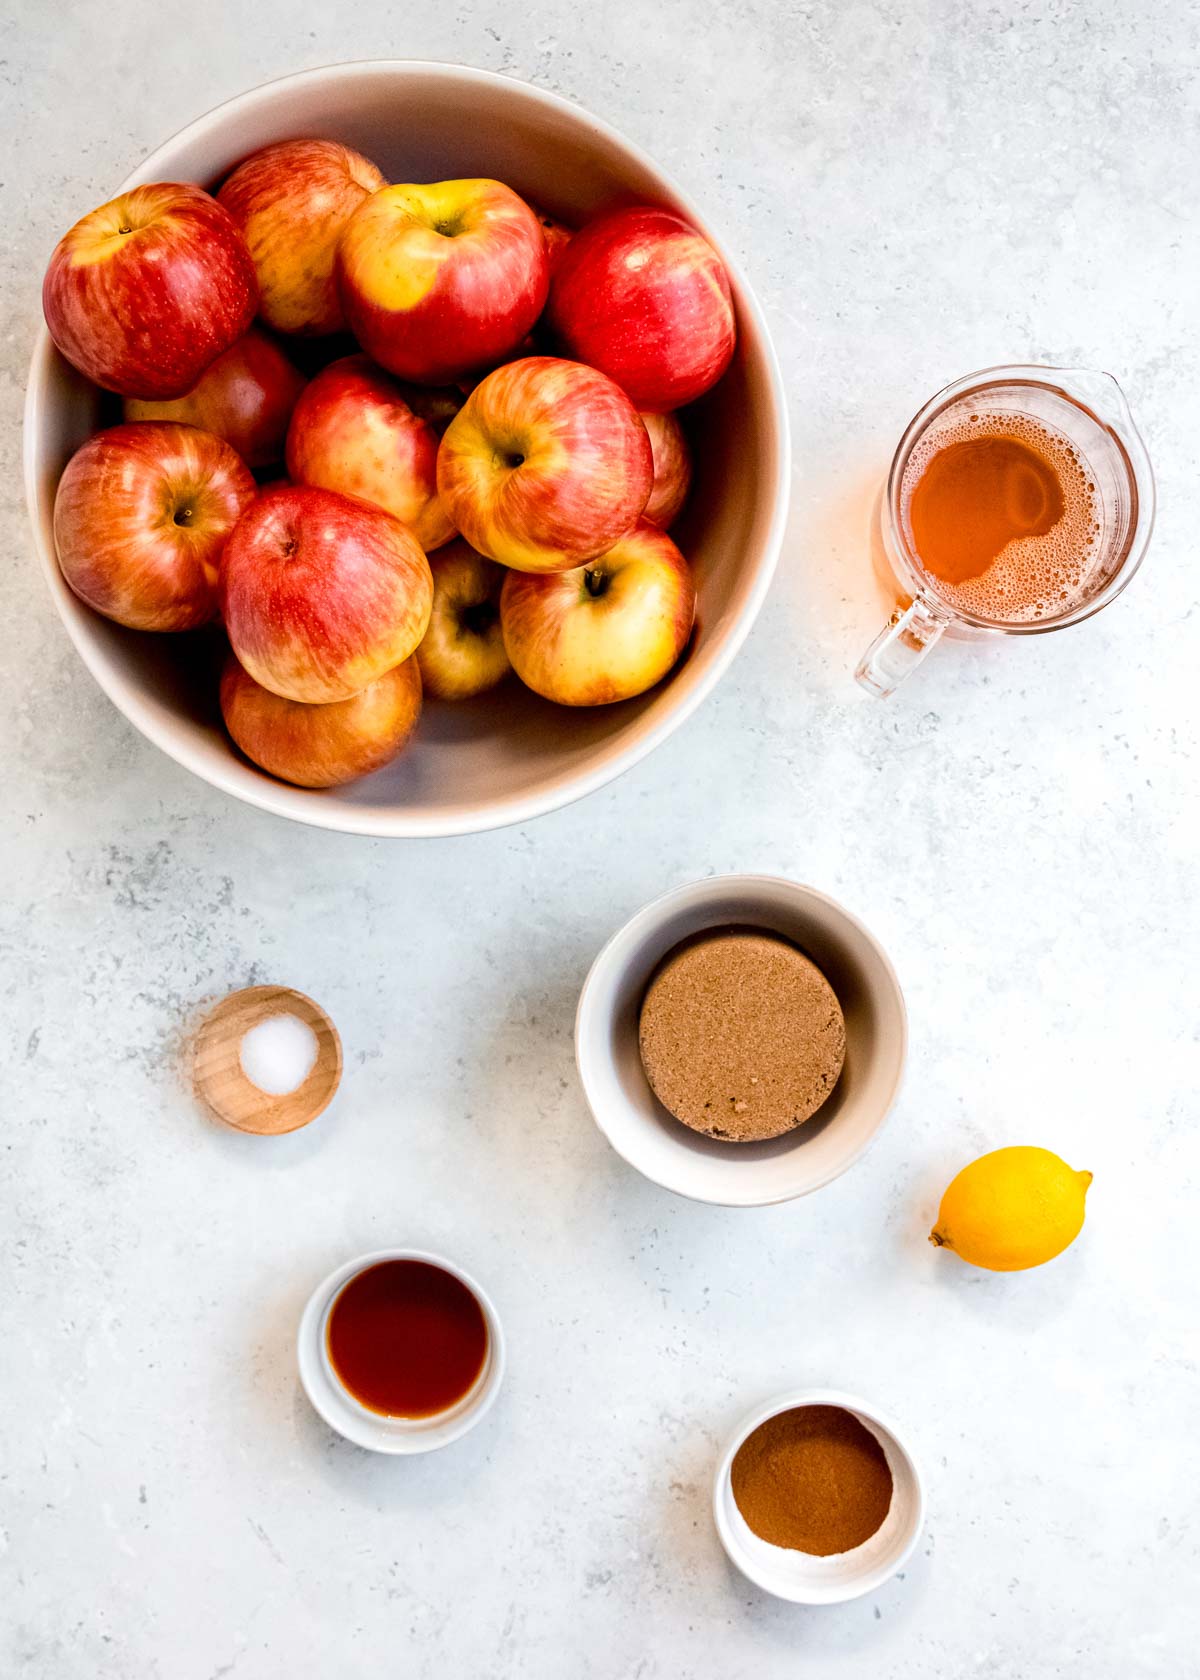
x: 741, y: 1036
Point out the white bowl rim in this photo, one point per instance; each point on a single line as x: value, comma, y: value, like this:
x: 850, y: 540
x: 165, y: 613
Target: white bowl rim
x: 421, y: 1439
x: 651, y: 912
x: 368, y: 820
x: 871, y: 1579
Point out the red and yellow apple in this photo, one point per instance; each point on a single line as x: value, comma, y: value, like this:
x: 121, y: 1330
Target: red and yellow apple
x: 141, y: 517
x: 246, y: 397
x: 323, y: 745
x: 462, y: 653
x: 322, y: 593
x: 672, y: 469
x: 147, y: 291
x: 546, y: 465
x: 354, y: 430
x: 605, y: 632
x: 292, y: 201
x: 641, y: 295
x: 437, y: 280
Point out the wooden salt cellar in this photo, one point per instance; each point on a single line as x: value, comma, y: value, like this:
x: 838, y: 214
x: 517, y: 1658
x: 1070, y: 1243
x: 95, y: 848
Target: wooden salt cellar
x: 217, y: 1069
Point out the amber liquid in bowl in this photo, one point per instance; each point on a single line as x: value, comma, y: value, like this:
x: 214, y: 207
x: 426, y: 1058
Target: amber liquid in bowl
x: 406, y: 1339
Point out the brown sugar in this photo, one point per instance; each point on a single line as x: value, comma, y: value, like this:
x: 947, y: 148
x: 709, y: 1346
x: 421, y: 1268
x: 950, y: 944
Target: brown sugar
x: 741, y: 1036
x: 813, y: 1479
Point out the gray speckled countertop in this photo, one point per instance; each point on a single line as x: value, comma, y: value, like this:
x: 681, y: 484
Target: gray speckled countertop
x: 915, y: 190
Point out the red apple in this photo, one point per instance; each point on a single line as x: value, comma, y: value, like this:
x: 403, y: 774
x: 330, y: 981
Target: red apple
x: 438, y: 280
x: 463, y: 649
x: 322, y: 746
x: 672, y: 469
x: 141, y: 517
x: 322, y: 593
x: 546, y: 465
x: 605, y: 632
x: 144, y: 293
x: 246, y: 397
x: 355, y: 431
x: 557, y: 236
x: 639, y: 294
x: 292, y: 201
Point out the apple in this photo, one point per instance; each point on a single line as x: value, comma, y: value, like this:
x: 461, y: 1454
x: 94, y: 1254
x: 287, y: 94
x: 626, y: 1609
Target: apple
x: 438, y: 280
x: 605, y: 632
x: 672, y: 469
x: 354, y: 430
x: 557, y: 236
x: 322, y: 593
x: 246, y: 397
x: 641, y: 295
x: 324, y: 745
x: 148, y: 290
x: 546, y: 465
x: 463, y: 649
x: 292, y: 201
x: 141, y: 517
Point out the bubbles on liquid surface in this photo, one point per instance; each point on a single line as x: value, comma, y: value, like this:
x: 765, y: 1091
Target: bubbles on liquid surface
x: 1032, y: 577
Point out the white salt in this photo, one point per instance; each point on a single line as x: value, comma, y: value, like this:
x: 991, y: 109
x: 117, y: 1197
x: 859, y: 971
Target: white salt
x: 278, y: 1054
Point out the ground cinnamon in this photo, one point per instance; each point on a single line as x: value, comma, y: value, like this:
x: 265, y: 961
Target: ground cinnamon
x: 813, y: 1479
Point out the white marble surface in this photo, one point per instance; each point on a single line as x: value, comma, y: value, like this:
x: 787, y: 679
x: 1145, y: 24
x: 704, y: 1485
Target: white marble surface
x: 916, y: 189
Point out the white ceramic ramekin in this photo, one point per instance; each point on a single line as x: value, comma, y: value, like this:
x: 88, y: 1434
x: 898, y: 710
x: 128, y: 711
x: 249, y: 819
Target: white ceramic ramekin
x: 502, y: 759
x: 823, y: 1580
x: 356, y: 1422
x: 742, y: 1174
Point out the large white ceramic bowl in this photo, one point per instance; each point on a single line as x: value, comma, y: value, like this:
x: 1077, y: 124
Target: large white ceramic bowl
x: 479, y: 764
x: 703, y: 1168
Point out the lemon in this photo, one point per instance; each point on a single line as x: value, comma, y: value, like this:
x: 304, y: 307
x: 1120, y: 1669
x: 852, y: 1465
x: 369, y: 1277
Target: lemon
x: 1012, y: 1209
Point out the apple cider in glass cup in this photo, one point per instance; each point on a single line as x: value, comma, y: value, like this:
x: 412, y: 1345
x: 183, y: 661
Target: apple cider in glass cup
x: 1020, y: 500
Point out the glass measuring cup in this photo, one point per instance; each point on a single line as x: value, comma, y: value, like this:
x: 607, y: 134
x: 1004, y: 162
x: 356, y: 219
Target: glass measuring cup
x: 1083, y: 411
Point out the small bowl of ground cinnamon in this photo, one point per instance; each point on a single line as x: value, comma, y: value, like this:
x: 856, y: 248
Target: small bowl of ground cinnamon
x: 816, y: 1498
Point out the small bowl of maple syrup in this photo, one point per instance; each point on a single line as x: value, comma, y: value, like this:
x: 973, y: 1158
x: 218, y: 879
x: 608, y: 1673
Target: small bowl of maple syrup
x: 400, y: 1351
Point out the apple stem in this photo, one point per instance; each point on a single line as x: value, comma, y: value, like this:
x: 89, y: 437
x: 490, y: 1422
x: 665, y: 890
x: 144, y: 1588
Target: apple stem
x: 595, y: 583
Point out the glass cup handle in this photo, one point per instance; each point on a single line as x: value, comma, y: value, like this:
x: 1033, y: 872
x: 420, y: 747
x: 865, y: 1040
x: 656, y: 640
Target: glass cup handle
x: 899, y: 648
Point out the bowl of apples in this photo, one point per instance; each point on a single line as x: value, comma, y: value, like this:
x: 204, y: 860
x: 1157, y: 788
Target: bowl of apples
x: 404, y: 453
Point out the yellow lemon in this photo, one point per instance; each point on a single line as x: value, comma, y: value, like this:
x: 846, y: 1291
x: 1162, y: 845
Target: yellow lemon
x: 1012, y: 1209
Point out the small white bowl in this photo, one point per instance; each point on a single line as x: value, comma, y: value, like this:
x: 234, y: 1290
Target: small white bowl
x: 357, y: 1422
x: 741, y: 1174
x: 823, y: 1580
x: 501, y: 759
